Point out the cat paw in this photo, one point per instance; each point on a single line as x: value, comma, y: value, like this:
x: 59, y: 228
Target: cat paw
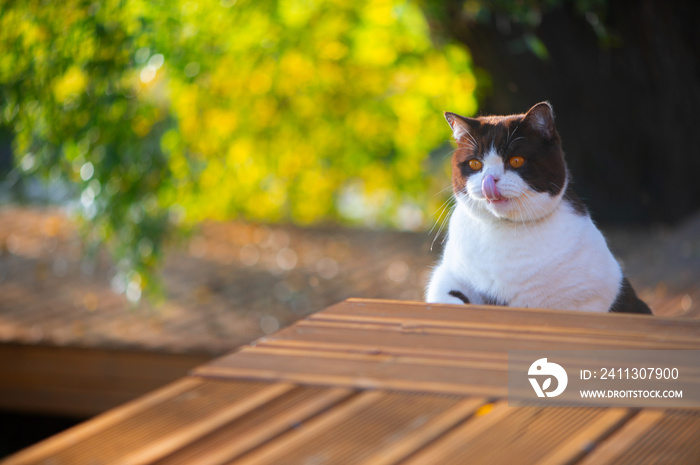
x: 463, y: 299
x: 448, y: 299
x: 454, y: 301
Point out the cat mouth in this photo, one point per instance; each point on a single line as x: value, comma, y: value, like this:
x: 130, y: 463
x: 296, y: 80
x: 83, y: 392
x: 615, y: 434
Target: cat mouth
x: 490, y: 191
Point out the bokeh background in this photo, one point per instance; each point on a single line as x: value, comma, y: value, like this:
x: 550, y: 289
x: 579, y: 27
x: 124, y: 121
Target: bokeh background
x: 181, y: 177
x: 146, y: 118
x: 163, y: 114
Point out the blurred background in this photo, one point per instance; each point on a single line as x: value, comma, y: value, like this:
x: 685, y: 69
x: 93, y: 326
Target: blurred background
x: 178, y: 178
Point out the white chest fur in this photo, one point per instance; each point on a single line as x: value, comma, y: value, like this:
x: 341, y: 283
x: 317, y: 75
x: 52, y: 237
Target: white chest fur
x: 560, y: 262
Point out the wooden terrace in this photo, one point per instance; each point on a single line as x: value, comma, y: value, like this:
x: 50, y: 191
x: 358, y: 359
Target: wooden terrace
x: 386, y: 382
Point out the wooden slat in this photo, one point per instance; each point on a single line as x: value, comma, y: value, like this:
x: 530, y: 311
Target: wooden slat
x: 535, y: 326
x: 625, y: 438
x: 412, y: 442
x: 374, y: 427
x: 154, y: 426
x: 523, y: 436
x: 175, y: 437
x: 652, y: 437
x: 616, y: 333
x: 361, y: 371
x: 385, y: 350
x: 78, y: 434
x: 666, y: 328
x: 287, y: 411
x: 580, y: 442
x: 460, y: 340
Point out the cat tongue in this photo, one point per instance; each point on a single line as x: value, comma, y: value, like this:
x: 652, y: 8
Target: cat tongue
x: 489, y: 189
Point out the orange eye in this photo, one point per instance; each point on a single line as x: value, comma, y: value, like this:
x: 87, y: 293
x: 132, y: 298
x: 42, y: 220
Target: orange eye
x: 475, y: 164
x: 516, y: 162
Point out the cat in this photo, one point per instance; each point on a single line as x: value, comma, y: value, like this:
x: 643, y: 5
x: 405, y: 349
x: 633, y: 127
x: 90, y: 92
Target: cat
x: 519, y: 235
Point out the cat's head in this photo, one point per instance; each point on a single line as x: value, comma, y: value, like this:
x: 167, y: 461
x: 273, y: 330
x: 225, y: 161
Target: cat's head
x: 509, y: 167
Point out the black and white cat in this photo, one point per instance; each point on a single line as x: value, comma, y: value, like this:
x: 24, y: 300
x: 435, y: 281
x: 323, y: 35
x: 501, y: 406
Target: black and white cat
x: 519, y: 235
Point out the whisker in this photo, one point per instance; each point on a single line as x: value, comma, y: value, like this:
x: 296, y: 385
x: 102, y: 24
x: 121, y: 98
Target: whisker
x: 441, y: 209
x: 444, y: 190
x: 472, y: 140
x: 441, y: 219
x: 508, y: 141
x: 444, y: 221
x: 456, y: 150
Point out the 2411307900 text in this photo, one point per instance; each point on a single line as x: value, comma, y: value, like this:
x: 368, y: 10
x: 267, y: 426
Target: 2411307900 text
x: 650, y: 373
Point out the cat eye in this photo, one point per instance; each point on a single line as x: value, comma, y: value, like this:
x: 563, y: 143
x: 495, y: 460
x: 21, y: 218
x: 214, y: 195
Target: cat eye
x: 516, y: 162
x: 475, y: 164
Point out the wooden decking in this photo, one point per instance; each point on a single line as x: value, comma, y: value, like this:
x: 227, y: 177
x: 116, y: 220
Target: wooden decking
x: 386, y: 382
x: 227, y: 285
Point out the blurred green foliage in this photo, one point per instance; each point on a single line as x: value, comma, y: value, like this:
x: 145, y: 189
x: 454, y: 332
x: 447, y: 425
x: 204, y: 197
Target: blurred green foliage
x: 527, y: 12
x: 521, y: 18
x: 528, y: 15
x: 168, y: 113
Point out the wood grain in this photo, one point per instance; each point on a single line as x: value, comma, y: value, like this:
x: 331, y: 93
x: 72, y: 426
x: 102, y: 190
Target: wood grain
x: 153, y: 426
x: 523, y: 436
x: 381, y: 382
x: 282, y: 414
x: 435, y: 348
x: 374, y: 427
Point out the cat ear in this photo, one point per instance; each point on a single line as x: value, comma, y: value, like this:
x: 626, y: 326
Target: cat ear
x: 541, y: 118
x: 461, y: 125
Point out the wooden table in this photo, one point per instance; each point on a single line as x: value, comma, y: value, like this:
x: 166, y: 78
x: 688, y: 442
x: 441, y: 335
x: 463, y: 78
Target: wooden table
x: 386, y: 382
